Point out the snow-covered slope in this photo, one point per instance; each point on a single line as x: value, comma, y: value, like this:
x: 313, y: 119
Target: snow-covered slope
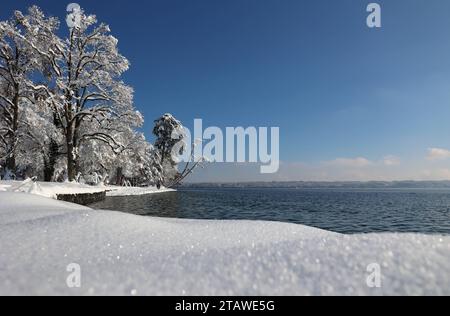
x: 125, y: 254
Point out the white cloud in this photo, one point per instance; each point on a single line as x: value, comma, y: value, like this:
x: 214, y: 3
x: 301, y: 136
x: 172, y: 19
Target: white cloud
x: 299, y: 171
x: 387, y: 168
x: 359, y: 162
x: 391, y: 161
x: 438, y: 154
x: 436, y: 174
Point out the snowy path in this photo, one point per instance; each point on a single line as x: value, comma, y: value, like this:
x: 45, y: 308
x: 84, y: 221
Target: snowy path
x: 125, y: 254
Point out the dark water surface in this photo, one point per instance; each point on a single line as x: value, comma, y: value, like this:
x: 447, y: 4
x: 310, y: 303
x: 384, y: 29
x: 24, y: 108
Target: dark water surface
x: 339, y: 210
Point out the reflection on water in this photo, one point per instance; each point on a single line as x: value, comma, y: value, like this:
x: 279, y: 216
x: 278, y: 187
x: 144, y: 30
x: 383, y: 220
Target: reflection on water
x: 345, y: 211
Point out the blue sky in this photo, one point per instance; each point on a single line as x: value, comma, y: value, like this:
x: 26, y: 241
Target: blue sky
x: 349, y: 100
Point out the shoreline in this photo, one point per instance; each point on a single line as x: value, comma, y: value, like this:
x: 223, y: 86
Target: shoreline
x: 56, y: 189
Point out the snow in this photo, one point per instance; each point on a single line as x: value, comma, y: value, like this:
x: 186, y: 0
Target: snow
x: 49, y: 189
x: 52, y: 189
x: 128, y: 191
x: 123, y: 254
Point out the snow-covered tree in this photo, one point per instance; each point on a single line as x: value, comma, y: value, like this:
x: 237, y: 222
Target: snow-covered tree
x: 65, y: 113
x: 15, y: 64
x: 139, y: 162
x: 91, y: 95
x: 23, y: 44
x: 171, y: 144
x: 99, y: 157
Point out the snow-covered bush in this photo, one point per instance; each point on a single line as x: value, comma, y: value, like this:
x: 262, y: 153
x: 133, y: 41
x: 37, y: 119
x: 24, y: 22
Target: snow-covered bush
x: 171, y: 144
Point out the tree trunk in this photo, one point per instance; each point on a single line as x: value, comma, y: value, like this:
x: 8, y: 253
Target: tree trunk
x: 71, y: 172
x: 50, y: 161
x: 75, y: 145
x: 71, y: 164
x: 11, y: 164
x: 119, y: 176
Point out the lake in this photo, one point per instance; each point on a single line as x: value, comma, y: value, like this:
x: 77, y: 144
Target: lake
x: 348, y: 211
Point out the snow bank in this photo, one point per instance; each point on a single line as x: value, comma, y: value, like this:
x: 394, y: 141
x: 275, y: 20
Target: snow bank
x: 49, y: 189
x: 129, y: 191
x: 122, y: 254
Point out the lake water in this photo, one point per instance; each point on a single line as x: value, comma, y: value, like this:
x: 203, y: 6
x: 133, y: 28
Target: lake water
x: 339, y: 210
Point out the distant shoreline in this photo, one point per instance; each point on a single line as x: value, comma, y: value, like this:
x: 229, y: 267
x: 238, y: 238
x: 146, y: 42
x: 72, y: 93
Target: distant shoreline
x: 323, y: 185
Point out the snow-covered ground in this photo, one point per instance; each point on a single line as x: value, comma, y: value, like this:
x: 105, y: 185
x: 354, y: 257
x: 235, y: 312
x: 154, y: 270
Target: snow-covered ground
x: 4, y: 187
x: 122, y: 254
x: 127, y: 191
x: 48, y: 189
x: 51, y: 189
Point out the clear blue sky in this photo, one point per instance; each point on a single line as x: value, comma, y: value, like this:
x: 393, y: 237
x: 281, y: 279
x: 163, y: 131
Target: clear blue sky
x: 336, y: 88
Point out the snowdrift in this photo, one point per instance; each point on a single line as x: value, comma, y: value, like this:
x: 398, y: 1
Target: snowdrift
x: 53, y: 189
x: 133, y: 191
x: 122, y: 254
x: 49, y: 189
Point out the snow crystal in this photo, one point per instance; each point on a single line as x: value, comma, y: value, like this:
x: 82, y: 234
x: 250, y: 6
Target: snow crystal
x: 41, y: 237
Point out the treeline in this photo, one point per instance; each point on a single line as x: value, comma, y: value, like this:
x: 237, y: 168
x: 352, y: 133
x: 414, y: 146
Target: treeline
x: 66, y: 114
